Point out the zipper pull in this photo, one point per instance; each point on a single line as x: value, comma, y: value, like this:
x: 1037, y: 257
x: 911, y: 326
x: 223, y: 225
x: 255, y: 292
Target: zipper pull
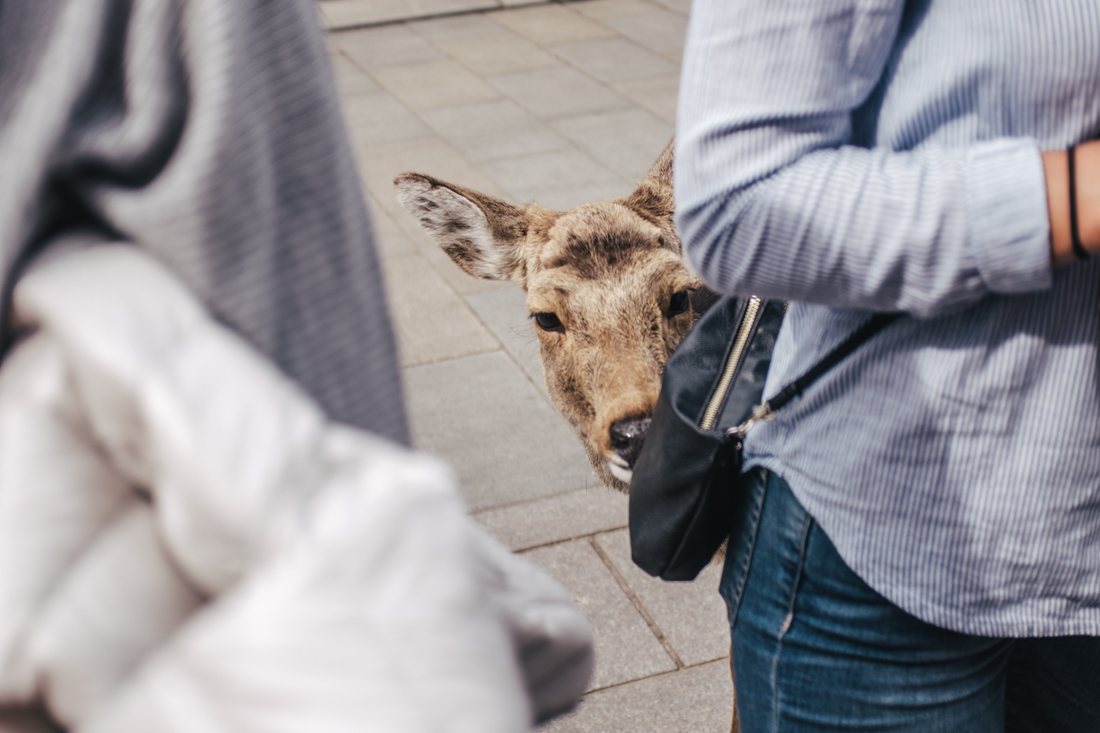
x: 761, y: 412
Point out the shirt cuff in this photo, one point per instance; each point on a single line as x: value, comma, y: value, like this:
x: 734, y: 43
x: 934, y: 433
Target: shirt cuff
x: 1009, y: 223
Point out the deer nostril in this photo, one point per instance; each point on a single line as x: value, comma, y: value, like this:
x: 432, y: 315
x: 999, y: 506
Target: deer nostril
x: 627, y: 436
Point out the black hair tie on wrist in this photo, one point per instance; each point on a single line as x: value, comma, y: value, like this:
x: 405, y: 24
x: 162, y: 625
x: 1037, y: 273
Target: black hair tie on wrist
x: 1074, y: 235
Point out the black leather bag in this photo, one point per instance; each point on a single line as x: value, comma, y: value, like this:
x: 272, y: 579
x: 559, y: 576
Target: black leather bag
x: 686, y: 478
x: 681, y: 492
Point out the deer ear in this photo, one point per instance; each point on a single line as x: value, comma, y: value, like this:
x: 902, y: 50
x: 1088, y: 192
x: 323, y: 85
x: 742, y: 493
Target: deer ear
x: 483, y: 235
x: 653, y: 198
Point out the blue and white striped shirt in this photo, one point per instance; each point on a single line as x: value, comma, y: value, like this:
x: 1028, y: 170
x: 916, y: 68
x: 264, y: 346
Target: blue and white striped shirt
x: 857, y: 155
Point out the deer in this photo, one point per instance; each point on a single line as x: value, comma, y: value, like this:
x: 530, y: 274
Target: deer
x: 606, y: 286
x: 607, y: 289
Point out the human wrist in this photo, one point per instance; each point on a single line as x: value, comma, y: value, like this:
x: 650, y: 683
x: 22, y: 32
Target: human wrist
x: 1088, y: 195
x: 1087, y: 185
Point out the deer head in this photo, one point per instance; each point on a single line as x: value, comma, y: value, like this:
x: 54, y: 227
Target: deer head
x: 606, y: 286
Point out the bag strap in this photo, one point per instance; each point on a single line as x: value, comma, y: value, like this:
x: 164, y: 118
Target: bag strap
x: 767, y: 409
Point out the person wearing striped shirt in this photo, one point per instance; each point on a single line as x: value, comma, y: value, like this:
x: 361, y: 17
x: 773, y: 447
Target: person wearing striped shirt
x: 926, y: 553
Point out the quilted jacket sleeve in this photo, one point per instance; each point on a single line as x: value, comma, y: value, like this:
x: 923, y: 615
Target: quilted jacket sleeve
x: 188, y: 544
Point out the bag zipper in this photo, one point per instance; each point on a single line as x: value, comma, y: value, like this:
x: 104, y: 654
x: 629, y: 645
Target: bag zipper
x: 748, y: 323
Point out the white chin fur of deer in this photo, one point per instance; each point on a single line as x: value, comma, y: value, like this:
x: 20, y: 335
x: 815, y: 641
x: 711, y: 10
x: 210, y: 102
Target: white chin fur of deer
x: 619, y: 469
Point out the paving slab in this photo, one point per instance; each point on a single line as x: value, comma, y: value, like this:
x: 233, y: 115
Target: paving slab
x: 661, y: 31
x: 613, y: 59
x: 434, y: 156
x: 389, y: 239
x: 556, y: 518
x: 462, y: 26
x: 500, y: 53
x: 558, y: 92
x: 683, y: 7
x: 506, y: 443
x: 433, y: 85
x: 336, y: 14
x: 692, y: 615
x: 350, y: 79
x: 626, y: 141
x: 379, y: 118
x: 625, y: 647
x: 694, y: 700
x: 377, y: 48
x: 438, y: 7
x: 505, y: 312
x: 656, y: 94
x: 490, y: 130
x: 603, y: 9
x: 565, y: 198
x: 559, y: 180
x: 432, y: 322
x: 547, y: 25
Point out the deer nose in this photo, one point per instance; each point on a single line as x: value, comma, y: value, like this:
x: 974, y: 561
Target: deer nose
x: 627, y: 436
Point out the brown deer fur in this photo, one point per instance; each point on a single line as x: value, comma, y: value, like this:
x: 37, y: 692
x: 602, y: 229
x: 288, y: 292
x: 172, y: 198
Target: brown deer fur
x: 610, y: 272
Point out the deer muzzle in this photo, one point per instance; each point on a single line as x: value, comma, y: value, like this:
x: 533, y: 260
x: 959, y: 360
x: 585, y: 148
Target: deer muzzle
x: 627, y: 436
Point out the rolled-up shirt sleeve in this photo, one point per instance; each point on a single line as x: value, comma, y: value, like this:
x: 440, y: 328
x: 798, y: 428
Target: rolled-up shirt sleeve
x: 773, y: 197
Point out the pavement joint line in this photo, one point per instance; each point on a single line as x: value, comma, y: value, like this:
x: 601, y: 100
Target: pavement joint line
x: 654, y: 676
x: 638, y: 604
x: 493, y: 333
x: 533, y: 499
x: 670, y: 673
x: 446, y: 14
x: 574, y: 538
x: 430, y: 362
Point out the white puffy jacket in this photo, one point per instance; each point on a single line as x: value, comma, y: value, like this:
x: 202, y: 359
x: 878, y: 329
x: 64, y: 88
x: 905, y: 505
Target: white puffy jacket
x: 187, y: 544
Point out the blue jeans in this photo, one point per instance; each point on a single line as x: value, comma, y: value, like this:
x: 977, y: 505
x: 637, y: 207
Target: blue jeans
x: 816, y: 649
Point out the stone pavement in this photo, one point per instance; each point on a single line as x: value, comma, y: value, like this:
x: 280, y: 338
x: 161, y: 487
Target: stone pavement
x: 347, y: 14
x: 563, y: 104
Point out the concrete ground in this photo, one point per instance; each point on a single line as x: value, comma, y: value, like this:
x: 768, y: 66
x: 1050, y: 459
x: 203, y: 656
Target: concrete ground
x: 563, y: 104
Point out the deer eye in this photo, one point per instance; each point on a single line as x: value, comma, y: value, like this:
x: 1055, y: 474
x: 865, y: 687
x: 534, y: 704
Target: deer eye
x: 549, y: 322
x: 678, y: 303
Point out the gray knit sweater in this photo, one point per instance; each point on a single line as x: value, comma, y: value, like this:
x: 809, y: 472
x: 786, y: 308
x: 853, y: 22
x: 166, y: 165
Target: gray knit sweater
x: 209, y: 134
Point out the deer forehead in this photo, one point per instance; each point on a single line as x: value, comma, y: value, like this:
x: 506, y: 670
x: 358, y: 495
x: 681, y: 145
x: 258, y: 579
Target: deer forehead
x: 628, y: 294
x: 593, y: 237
